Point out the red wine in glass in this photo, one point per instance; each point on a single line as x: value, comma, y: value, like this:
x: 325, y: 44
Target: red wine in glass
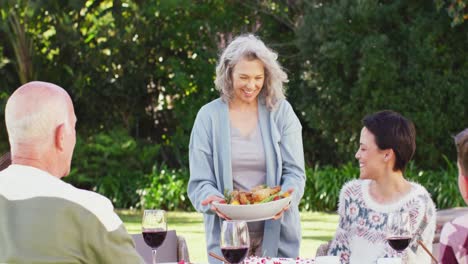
x: 399, y: 243
x: 154, y: 229
x: 235, y: 240
x: 154, y: 238
x: 399, y: 231
x: 235, y: 254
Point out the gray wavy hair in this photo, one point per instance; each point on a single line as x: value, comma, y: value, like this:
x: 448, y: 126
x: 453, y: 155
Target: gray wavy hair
x: 251, y: 47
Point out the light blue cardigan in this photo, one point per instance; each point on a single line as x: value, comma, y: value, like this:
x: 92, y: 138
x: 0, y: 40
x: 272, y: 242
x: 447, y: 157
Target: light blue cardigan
x: 211, y: 173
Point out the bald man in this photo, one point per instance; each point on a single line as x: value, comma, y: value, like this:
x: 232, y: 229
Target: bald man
x: 42, y: 218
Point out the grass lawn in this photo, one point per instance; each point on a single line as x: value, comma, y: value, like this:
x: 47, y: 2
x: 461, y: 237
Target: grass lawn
x: 316, y: 229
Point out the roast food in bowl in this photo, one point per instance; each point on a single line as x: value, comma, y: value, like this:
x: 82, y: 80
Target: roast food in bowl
x: 261, y: 203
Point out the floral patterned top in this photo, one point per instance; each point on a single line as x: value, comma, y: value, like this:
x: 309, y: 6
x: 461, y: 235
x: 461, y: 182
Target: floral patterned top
x: 361, y: 234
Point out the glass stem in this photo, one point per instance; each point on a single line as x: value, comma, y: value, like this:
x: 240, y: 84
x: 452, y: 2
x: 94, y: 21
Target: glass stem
x: 400, y: 255
x: 154, y: 255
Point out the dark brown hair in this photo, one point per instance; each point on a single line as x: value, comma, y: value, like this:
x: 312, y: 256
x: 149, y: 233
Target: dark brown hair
x: 393, y: 131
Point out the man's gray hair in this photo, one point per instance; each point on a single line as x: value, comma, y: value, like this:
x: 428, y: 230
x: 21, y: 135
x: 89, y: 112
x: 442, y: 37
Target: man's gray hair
x: 35, y: 123
x: 251, y: 47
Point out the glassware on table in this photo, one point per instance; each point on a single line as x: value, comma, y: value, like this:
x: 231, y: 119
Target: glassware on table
x: 235, y: 241
x: 154, y: 229
x: 399, y: 231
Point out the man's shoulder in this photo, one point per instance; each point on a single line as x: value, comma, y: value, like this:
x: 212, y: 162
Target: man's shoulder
x: 461, y: 222
x: 30, y: 185
x: 455, y: 231
x: 97, y: 204
x: 88, y: 199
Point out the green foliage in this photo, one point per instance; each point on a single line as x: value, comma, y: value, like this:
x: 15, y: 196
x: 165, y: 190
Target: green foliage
x: 324, y: 184
x: 113, y: 164
x: 167, y: 190
x: 441, y: 184
x: 456, y: 9
x: 365, y: 56
x: 147, y: 66
x: 124, y: 170
x: 168, y: 187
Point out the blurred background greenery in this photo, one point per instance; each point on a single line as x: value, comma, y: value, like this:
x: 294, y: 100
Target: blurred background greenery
x: 138, y: 71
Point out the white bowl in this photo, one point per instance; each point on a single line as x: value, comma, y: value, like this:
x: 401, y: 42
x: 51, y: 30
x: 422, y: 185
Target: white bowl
x: 253, y: 212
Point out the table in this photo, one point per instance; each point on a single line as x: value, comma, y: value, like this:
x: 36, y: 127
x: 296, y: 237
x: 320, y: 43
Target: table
x: 266, y: 260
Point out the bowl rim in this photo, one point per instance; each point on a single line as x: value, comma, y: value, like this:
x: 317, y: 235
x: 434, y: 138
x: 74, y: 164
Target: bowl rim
x: 249, y: 207
x: 252, y: 205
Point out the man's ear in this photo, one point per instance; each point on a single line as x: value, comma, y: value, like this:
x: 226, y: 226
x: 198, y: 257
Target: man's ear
x: 60, y: 137
x: 463, y: 186
x: 460, y: 169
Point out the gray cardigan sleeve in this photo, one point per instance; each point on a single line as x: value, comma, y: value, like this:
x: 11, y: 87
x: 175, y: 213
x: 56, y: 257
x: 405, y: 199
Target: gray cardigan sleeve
x: 292, y: 152
x: 202, y: 181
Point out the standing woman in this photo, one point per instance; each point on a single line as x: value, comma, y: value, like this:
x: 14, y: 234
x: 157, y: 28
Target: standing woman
x: 247, y: 137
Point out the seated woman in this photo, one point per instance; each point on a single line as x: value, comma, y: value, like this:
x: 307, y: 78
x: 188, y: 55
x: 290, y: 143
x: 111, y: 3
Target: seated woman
x: 387, y: 144
x: 454, y: 236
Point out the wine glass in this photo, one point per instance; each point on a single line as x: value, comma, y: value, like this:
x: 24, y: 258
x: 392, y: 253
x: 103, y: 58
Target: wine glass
x: 154, y: 229
x: 399, y: 231
x: 234, y: 240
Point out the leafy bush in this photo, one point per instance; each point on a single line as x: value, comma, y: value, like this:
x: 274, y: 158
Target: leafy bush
x: 113, y: 164
x: 145, y: 65
x: 116, y: 166
x: 324, y: 184
x: 167, y: 189
x: 363, y: 56
x: 441, y: 184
